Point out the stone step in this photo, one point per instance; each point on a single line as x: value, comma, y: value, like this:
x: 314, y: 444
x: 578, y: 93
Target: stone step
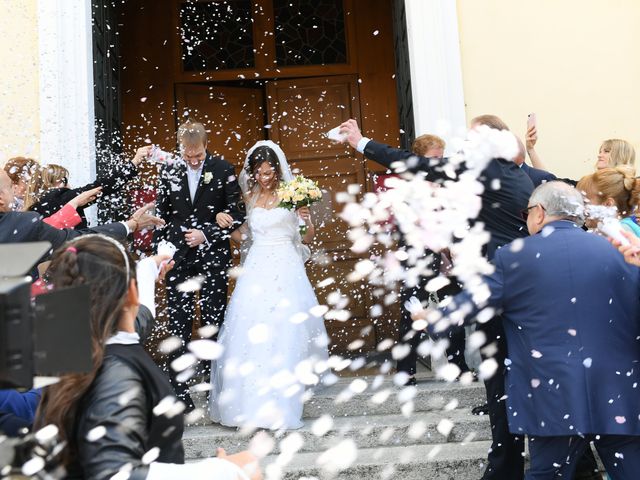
x: 366, y: 431
x: 449, y: 461
x: 339, y: 400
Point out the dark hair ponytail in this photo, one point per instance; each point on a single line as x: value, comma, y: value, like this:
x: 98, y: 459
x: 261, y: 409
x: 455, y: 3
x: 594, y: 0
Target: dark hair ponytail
x: 100, y: 263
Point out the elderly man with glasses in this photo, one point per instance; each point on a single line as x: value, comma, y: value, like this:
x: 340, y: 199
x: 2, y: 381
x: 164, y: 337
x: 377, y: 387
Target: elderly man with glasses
x: 570, y: 308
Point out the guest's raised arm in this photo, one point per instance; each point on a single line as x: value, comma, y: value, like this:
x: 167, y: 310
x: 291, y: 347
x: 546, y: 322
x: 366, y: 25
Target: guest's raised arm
x: 387, y: 155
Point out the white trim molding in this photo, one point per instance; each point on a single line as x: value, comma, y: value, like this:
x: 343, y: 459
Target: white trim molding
x: 436, y: 70
x: 67, y: 135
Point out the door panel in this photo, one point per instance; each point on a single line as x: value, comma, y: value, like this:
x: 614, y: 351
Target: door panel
x: 300, y: 112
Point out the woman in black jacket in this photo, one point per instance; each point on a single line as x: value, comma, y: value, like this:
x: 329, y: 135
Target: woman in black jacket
x: 48, y: 190
x: 123, y: 415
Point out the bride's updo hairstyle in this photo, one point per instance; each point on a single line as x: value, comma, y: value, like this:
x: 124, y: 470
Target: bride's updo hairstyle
x: 100, y: 263
x: 618, y: 184
x: 259, y: 156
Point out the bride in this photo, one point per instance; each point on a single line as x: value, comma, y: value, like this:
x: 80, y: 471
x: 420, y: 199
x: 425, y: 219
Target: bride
x: 273, y: 343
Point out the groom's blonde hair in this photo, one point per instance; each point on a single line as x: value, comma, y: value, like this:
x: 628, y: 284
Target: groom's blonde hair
x: 192, y: 133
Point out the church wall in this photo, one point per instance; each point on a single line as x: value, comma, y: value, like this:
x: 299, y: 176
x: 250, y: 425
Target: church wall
x: 574, y: 63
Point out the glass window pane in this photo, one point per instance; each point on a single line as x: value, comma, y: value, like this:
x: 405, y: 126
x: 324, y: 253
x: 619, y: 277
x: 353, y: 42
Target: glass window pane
x: 216, y: 35
x: 310, y: 32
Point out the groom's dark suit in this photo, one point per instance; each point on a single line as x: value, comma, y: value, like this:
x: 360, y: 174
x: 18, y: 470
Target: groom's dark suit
x: 217, y: 191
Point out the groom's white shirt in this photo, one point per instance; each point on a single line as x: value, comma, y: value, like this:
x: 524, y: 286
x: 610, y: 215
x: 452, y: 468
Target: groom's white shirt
x: 193, y: 178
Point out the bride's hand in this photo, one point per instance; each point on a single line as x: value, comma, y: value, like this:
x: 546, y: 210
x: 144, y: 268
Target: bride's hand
x: 224, y: 220
x: 304, y: 213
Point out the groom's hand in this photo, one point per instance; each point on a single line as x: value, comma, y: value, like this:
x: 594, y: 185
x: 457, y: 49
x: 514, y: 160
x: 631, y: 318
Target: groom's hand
x: 194, y: 237
x: 352, y: 132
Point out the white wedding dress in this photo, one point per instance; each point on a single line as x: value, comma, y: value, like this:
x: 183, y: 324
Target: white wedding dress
x: 273, y: 345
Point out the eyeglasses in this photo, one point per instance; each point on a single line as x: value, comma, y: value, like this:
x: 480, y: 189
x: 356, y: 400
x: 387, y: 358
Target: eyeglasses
x: 525, y: 212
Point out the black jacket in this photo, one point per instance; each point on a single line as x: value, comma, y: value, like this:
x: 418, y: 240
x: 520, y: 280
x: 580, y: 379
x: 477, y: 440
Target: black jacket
x: 218, y: 191
x: 56, y: 198
x: 538, y: 176
x: 18, y: 227
x: 501, y: 207
x: 127, y: 388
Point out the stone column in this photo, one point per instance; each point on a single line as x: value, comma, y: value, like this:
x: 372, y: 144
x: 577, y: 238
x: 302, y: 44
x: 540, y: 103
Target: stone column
x: 436, y: 73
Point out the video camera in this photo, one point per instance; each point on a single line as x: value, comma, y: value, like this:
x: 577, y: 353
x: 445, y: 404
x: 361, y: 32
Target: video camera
x: 48, y: 336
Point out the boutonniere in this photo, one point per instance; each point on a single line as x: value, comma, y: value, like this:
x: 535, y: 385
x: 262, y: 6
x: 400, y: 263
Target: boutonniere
x: 208, y: 176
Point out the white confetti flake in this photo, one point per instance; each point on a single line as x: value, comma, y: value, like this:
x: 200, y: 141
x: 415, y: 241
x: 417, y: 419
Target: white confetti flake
x: 536, y: 354
x: 587, y: 362
x: 417, y: 429
x: 517, y: 245
x: 206, y: 349
x: 151, y: 456
x: 32, y: 466
x: 445, y: 426
x: 487, y: 369
x: 261, y: 444
x: 96, y: 433
x: 448, y: 372
x: 322, y: 425
x: 339, y: 457
x: 47, y: 434
x: 183, y: 362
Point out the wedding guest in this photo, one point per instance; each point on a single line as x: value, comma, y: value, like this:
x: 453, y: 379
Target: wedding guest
x: 67, y: 216
x: 614, y: 187
x: 16, y: 227
x: 190, y: 195
x: 20, y: 171
x: 430, y: 146
x: 49, y: 190
x: 559, y: 311
x: 614, y: 152
x: 500, y: 214
x: 491, y: 121
x: 126, y: 397
x: 537, y: 175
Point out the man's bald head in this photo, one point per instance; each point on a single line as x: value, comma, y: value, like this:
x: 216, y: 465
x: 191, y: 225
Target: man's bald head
x: 6, y: 192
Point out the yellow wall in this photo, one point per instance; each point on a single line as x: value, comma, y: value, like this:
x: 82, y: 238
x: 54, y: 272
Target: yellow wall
x: 576, y: 63
x: 19, y: 84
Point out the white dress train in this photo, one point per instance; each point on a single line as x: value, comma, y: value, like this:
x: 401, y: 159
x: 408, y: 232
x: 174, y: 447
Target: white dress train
x: 272, y: 341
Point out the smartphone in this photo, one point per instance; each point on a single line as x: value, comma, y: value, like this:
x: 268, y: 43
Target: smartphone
x: 531, y: 120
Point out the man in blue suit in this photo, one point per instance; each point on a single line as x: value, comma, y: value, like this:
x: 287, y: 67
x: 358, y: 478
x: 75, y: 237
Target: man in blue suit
x: 570, y: 308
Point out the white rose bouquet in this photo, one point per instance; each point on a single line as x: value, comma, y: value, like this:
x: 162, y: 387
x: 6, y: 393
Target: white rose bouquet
x: 299, y: 192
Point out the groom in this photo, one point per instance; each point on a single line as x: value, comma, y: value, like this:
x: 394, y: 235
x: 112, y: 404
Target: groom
x: 190, y: 194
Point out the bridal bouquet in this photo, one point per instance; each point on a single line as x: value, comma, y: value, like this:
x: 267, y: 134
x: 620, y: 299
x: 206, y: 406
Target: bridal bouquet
x: 299, y: 192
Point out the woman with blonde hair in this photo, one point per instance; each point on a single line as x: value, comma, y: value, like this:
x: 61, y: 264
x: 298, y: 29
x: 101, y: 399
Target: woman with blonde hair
x: 51, y: 191
x: 20, y: 171
x: 614, y: 152
x: 615, y: 187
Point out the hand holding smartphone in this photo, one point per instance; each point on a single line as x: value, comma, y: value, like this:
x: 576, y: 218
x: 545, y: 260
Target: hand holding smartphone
x: 531, y: 121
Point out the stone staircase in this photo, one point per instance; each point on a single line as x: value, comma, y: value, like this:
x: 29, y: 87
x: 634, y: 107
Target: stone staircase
x: 425, y: 432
